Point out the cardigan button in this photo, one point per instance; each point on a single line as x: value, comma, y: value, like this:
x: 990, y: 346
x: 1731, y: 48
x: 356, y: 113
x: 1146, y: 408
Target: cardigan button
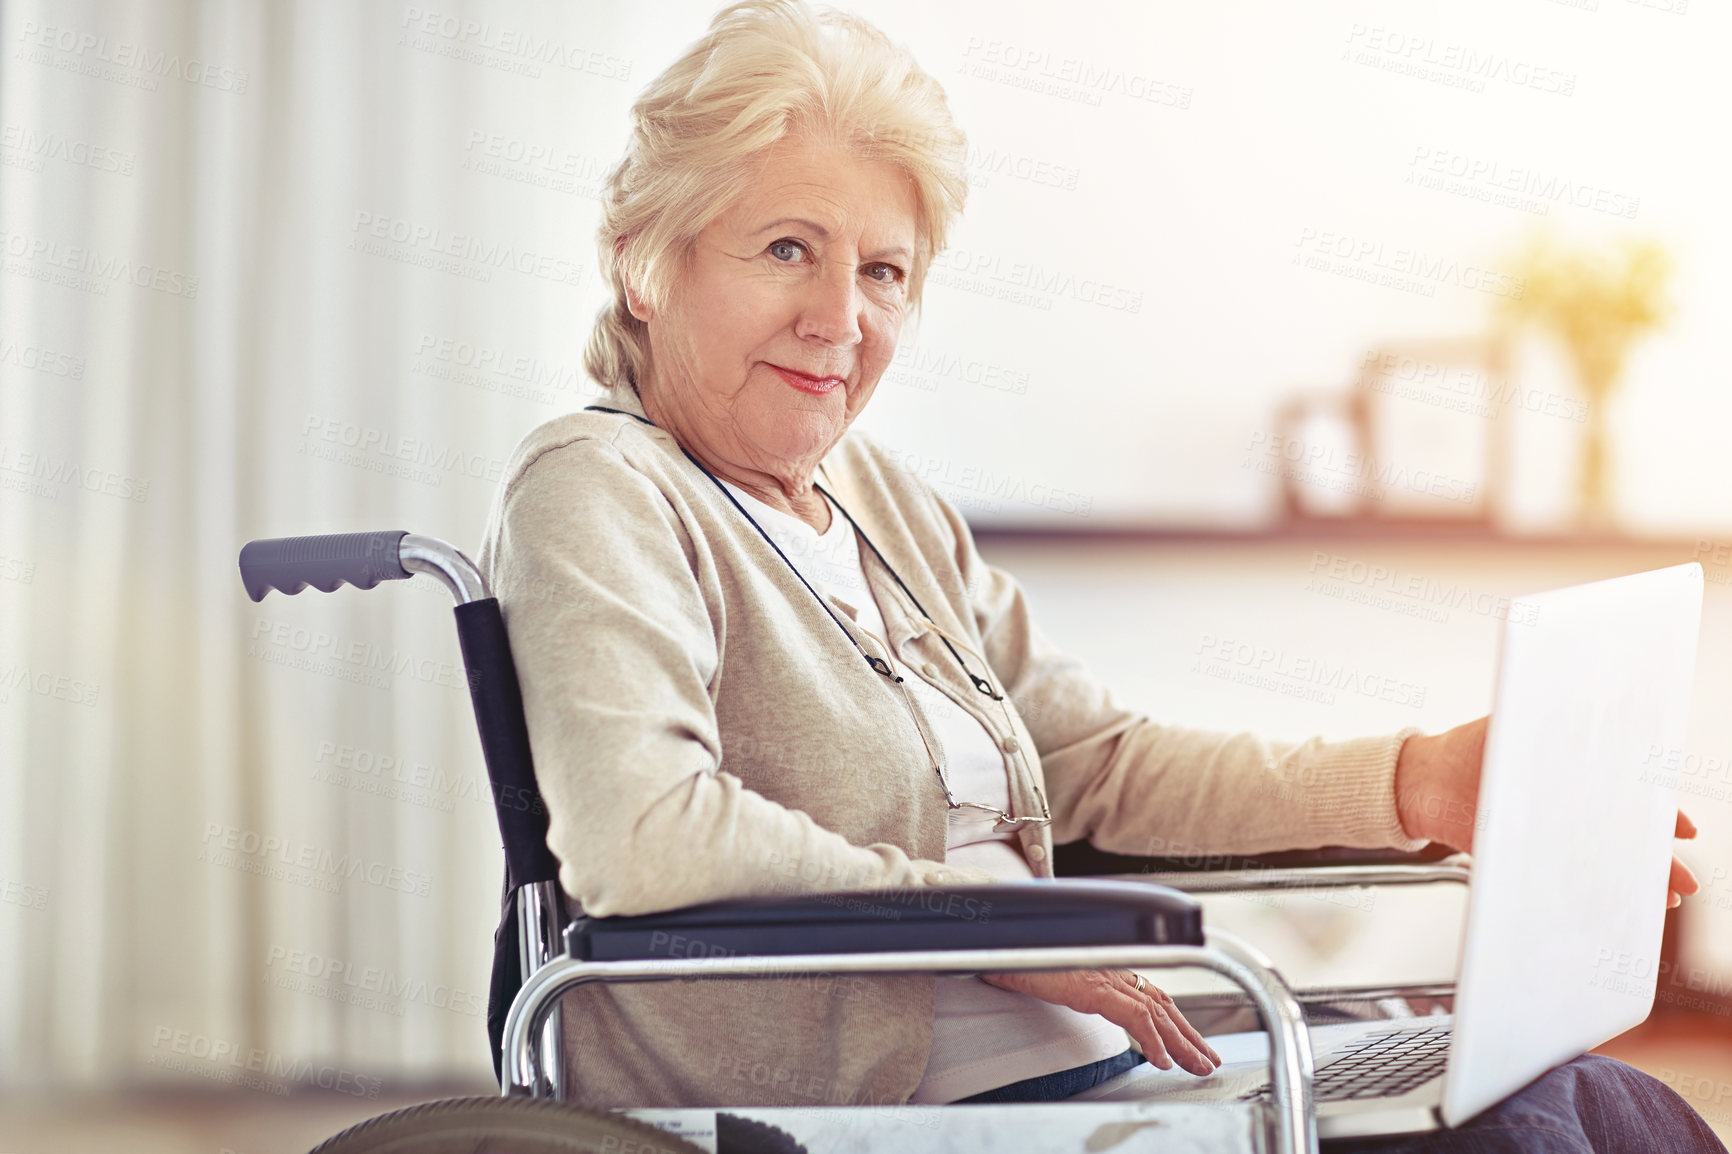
x: 1037, y: 852
x: 1010, y: 745
x: 929, y: 669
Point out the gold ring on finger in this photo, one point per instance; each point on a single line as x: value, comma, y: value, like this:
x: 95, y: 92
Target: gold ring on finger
x: 1140, y: 983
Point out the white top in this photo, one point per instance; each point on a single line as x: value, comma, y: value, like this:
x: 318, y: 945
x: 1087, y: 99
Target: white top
x: 982, y: 1037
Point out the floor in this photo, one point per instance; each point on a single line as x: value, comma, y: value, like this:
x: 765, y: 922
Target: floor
x: 194, y: 1122
x: 1692, y: 1054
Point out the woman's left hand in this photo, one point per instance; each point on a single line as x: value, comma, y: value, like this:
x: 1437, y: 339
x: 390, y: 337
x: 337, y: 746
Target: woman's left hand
x: 1148, y: 1015
x: 1437, y: 792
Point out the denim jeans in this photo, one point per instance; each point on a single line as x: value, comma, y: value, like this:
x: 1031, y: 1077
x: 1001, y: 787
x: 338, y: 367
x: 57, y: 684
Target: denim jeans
x: 1593, y: 1105
x: 1064, y: 1084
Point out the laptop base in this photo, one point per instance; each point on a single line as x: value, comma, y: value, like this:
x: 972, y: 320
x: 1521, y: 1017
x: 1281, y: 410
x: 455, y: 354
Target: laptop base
x: 1244, y: 1068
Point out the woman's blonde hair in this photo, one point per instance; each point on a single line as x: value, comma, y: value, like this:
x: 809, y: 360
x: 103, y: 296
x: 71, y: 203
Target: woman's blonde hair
x: 766, y: 70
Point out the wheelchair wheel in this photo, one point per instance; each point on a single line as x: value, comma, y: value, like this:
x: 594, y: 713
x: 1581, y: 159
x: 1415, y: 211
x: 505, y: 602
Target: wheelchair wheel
x: 737, y: 1135
x: 503, y: 1126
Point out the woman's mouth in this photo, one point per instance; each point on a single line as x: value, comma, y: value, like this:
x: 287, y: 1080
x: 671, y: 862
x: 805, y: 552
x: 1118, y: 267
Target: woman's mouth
x: 806, y: 382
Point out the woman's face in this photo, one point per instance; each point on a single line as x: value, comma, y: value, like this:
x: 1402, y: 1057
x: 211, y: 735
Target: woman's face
x: 785, y: 315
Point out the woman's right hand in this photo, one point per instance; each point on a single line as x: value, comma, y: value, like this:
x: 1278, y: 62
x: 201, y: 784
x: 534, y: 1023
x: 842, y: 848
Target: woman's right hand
x: 1149, y: 1015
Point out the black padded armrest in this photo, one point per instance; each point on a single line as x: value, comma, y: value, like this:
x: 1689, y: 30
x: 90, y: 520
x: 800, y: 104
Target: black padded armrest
x: 1080, y: 859
x: 1008, y: 915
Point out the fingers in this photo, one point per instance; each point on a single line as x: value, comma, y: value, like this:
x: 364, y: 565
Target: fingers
x: 1160, y: 1029
x: 1123, y: 1005
x: 1149, y: 1015
x: 1681, y: 882
x: 1190, y: 1033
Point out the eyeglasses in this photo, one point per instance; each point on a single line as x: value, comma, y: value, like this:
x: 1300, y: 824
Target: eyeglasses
x: 1005, y: 823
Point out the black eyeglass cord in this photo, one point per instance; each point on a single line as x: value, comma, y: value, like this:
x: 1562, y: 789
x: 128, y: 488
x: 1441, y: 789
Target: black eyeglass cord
x: 878, y: 664
x: 980, y: 683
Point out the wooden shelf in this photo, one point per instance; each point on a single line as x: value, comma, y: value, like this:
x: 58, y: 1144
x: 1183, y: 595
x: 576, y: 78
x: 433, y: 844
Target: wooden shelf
x: 1405, y: 532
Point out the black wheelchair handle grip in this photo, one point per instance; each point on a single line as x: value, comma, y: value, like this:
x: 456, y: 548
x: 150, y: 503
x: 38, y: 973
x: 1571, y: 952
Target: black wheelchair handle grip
x: 325, y: 562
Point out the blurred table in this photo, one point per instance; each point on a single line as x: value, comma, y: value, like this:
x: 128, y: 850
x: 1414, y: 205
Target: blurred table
x: 1414, y: 613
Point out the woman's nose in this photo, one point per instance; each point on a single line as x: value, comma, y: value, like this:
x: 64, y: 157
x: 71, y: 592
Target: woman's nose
x: 830, y: 312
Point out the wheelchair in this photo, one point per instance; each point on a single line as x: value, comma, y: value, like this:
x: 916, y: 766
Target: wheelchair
x: 1106, y: 911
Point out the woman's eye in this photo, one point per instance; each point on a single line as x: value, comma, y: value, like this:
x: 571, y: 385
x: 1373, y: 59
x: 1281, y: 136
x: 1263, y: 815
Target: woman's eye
x: 885, y: 273
x: 787, y: 250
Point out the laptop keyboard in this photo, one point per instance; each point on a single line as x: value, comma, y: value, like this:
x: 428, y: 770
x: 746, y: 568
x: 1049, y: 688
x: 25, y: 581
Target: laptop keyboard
x: 1380, y: 1065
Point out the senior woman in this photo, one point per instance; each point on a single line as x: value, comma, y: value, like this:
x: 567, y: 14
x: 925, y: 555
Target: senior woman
x: 757, y: 656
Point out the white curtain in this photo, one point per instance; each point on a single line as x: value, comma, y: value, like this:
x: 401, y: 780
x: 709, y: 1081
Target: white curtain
x: 270, y: 270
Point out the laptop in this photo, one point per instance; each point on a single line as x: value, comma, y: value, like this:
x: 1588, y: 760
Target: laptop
x: 1567, y: 899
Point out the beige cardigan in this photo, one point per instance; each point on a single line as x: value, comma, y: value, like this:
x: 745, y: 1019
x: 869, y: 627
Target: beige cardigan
x: 702, y: 730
